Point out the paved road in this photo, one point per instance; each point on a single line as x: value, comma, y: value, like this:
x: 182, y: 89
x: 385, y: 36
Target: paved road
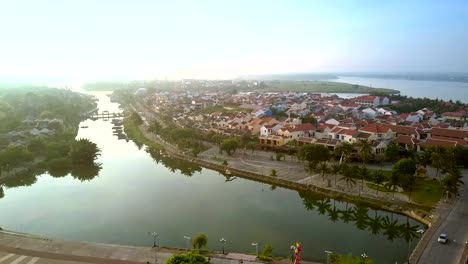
x: 456, y: 227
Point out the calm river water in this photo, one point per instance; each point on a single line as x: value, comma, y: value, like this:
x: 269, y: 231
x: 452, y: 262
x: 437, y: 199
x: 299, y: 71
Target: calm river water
x: 134, y: 194
x: 430, y: 89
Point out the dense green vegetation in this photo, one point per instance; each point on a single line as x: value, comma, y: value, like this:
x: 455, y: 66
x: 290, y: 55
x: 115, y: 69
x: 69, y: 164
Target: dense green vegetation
x: 349, y: 259
x: 38, y: 127
x: 277, y: 85
x: 131, y: 128
x: 409, y: 104
x: 19, y: 104
x: 187, y: 258
x: 200, y: 241
x: 419, y: 190
x: 322, y: 87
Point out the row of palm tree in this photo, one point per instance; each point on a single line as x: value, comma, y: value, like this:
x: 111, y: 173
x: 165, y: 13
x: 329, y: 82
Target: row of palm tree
x: 442, y: 159
x: 362, y: 218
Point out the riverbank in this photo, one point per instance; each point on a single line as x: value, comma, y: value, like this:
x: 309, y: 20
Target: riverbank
x: 417, y: 212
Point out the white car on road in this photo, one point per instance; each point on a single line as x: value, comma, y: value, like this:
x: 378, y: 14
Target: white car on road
x: 442, y: 238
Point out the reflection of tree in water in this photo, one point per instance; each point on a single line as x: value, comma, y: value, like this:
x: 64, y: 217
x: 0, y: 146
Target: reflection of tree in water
x: 25, y: 178
x: 333, y: 214
x: 359, y: 215
x: 86, y: 172
x: 59, y: 172
x: 229, y: 178
x: 375, y: 223
x: 390, y: 228
x: 184, y: 167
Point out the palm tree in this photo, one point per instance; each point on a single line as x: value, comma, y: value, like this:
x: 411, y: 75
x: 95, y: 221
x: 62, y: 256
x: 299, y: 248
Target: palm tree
x: 452, y: 182
x: 348, y: 176
x: 378, y: 178
x: 344, y: 150
x: 450, y: 160
x: 364, y: 173
x: 365, y: 151
x: 335, y: 169
x: 323, y: 169
x: 437, y: 160
x: 393, y: 183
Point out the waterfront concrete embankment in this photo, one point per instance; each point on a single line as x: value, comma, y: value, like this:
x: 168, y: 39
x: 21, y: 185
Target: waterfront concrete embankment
x: 17, y: 247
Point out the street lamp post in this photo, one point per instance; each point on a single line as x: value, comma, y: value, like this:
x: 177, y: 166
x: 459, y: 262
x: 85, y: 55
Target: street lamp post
x: 328, y: 256
x: 256, y: 248
x: 154, y: 235
x: 293, y: 248
x: 223, y: 241
x: 188, y: 240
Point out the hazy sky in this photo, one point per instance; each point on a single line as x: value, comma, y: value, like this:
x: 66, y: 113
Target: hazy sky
x: 84, y: 40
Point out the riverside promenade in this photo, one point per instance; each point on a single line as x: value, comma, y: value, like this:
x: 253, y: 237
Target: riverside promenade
x: 17, y: 248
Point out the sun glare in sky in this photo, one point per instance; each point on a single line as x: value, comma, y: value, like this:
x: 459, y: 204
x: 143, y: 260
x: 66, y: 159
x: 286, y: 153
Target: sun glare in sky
x: 87, y: 40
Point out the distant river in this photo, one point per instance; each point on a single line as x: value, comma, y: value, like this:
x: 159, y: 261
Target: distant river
x: 430, y: 89
x: 137, y: 192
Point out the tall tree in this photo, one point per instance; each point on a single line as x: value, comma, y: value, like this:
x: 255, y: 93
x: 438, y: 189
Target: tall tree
x: 229, y: 145
x: 406, y: 169
x: 84, y: 152
x: 393, y: 183
x: 335, y: 169
x: 378, y: 178
x: 343, y: 151
x: 452, y: 182
x: 437, y: 159
x: 200, y: 241
x: 365, y: 151
x: 313, y: 152
x: 392, y: 152
x: 364, y: 174
x: 348, y: 175
x: 323, y: 169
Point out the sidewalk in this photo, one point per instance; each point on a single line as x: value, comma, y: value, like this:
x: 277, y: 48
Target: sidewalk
x: 97, y: 253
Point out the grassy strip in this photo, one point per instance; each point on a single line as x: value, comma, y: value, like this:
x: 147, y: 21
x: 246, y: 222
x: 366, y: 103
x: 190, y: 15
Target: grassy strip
x: 133, y: 132
x: 374, y: 186
x: 426, y: 192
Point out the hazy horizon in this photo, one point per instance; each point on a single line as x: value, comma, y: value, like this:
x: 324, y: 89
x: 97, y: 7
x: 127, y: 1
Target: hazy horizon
x: 86, y: 41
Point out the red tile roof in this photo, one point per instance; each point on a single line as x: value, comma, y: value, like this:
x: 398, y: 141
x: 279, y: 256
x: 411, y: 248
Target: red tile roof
x: 300, y: 127
x: 375, y: 128
x: 408, y: 140
x: 405, y: 130
x: 450, y: 133
x: 460, y: 142
x: 365, y: 98
x: 350, y: 132
x: 431, y: 142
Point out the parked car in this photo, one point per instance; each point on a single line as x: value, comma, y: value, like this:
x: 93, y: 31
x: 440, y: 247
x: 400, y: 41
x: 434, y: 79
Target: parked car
x: 442, y: 238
